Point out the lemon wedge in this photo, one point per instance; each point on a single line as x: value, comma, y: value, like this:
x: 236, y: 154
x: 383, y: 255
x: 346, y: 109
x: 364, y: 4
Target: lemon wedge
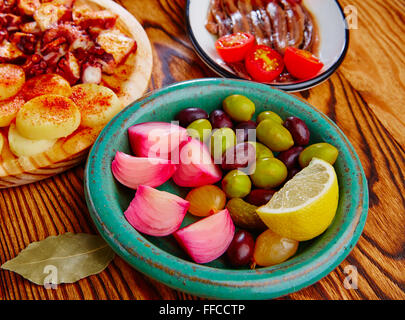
x: 306, y: 205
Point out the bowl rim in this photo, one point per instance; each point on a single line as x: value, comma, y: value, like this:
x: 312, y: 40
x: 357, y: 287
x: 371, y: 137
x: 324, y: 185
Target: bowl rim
x: 292, y: 87
x: 207, y: 281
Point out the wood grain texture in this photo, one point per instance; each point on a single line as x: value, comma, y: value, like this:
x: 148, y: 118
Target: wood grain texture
x: 364, y: 98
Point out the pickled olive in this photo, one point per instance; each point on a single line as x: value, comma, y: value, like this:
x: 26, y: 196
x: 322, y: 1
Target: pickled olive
x: 290, y: 156
x: 187, y: 116
x: 246, y: 131
x: 240, y: 251
x: 206, y: 200
x: 272, y: 249
x: 260, y: 197
x: 323, y: 150
x: 244, y: 215
x: 261, y: 150
x: 298, y: 130
x: 221, y: 140
x: 238, y: 107
x: 219, y: 119
x: 274, y: 135
x: 269, y: 173
x: 236, y: 184
x: 292, y: 172
x: 269, y: 115
x: 200, y: 129
x: 242, y: 155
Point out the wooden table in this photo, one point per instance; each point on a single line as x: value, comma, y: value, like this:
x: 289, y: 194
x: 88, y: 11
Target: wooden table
x: 365, y: 98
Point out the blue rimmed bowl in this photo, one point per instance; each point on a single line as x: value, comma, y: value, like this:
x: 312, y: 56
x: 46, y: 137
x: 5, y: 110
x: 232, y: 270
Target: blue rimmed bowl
x: 162, y: 259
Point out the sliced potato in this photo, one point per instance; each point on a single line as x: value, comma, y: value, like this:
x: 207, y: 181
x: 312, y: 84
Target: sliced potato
x: 49, y: 116
x: 9, y: 109
x: 97, y: 104
x: 12, y: 78
x: 21, y: 146
x: 46, y: 84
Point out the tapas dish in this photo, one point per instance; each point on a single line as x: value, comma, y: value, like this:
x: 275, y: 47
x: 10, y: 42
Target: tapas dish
x: 67, y: 68
x: 289, y: 44
x: 168, y: 198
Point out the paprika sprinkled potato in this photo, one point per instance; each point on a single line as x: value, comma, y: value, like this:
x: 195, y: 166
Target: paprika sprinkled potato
x: 48, y: 117
x: 12, y: 78
x: 97, y: 104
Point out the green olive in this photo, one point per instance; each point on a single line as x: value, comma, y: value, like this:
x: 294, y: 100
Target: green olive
x: 200, y: 129
x: 261, y: 150
x: 239, y: 108
x: 236, y: 184
x: 269, y: 173
x: 269, y: 115
x: 274, y: 135
x: 221, y: 139
x: 244, y: 214
x: 324, y: 151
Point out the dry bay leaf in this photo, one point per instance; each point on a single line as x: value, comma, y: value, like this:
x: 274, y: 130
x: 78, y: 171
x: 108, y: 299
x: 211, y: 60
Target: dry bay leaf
x: 65, y: 258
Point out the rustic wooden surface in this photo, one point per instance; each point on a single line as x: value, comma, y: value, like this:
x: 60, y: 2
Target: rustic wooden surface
x: 365, y: 98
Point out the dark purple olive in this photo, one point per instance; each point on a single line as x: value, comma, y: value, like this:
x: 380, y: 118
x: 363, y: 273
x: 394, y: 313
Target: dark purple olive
x: 292, y: 172
x: 186, y: 116
x: 219, y: 119
x: 246, y: 131
x: 260, y: 197
x: 290, y: 156
x: 298, y: 130
x: 240, y: 251
x: 240, y: 156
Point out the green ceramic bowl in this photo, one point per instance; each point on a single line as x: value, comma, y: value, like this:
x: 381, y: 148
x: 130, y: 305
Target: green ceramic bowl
x: 162, y: 259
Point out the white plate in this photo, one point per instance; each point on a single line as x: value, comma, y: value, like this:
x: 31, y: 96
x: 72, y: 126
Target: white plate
x: 333, y: 40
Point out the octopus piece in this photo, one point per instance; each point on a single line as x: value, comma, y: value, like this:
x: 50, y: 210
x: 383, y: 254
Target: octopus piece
x: 91, y: 73
x: 35, y: 65
x: 9, y: 21
x: 30, y: 27
x: 117, y: 44
x: 86, y: 18
x: 24, y: 41
x: 69, y: 68
x: 67, y: 30
x: 28, y: 7
x: 48, y: 15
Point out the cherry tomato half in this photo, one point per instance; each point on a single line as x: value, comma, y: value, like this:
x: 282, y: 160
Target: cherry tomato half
x: 233, y: 47
x: 263, y: 63
x: 301, y: 64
